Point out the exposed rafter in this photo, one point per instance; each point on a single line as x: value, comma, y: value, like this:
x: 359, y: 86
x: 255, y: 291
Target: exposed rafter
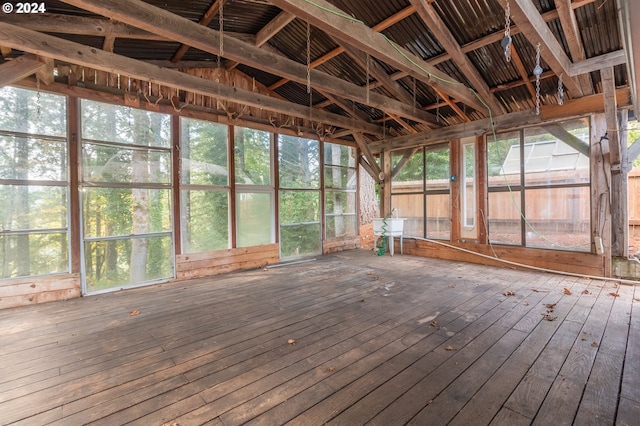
x: 205, y: 20
x: 271, y: 29
x: 536, y: 30
x: 335, y: 22
x: 54, y: 47
x: 439, y: 29
x: 572, y: 35
x: 153, y: 19
x: 19, y: 68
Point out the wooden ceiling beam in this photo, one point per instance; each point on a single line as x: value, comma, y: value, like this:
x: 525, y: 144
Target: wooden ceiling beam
x: 363, y: 145
x: 81, y: 25
x: 453, y: 106
x: 381, y: 26
x: 75, y: 53
x: 206, y: 19
x: 333, y: 21
x: 271, y: 29
x: 572, y: 35
x: 573, y: 108
x: 444, y: 36
x: 19, y: 68
x: 611, y: 116
x: 154, y: 19
x: 536, y: 30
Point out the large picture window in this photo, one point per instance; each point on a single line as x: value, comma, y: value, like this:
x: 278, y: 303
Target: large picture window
x: 299, y: 196
x: 255, y: 203
x: 205, y: 190
x: 420, y: 191
x: 538, y: 180
x: 34, y: 188
x: 126, y: 196
x: 340, y: 183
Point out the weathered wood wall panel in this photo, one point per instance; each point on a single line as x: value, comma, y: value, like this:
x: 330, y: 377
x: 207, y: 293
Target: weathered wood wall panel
x: 340, y: 244
x: 195, y: 265
x: 39, y: 289
x: 579, y: 263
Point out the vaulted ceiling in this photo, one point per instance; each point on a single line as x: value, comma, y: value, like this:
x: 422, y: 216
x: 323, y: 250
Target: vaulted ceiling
x: 392, y: 68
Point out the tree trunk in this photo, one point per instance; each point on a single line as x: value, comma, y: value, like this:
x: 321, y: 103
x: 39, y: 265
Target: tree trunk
x: 369, y: 207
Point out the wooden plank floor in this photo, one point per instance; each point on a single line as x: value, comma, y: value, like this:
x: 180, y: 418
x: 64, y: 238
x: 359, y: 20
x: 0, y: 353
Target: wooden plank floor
x: 374, y: 340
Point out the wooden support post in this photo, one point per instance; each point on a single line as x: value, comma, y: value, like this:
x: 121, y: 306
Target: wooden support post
x: 600, y: 192
x: 176, y: 145
x: 620, y: 196
x: 482, y: 193
x: 455, y: 169
x: 385, y: 187
x: 73, y: 124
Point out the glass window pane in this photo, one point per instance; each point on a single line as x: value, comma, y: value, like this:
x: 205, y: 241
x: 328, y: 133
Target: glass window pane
x: 254, y: 219
x: 503, y: 159
x: 252, y: 150
x: 438, y: 165
x: 114, y: 123
x: 299, y: 161
x: 339, y: 202
x: 128, y: 261
x: 125, y: 211
x: 469, y: 186
x: 32, y: 159
x: 558, y: 218
x: 340, y: 226
x: 28, y: 111
x: 102, y: 163
x: 439, y: 216
x: 559, y: 153
x: 204, y: 150
x: 339, y: 177
x: 299, y: 206
x: 340, y: 155
x: 34, y: 254
x: 411, y: 174
x: 410, y: 207
x: 300, y: 240
x: 205, y: 221
x: 504, y: 218
x: 33, y: 207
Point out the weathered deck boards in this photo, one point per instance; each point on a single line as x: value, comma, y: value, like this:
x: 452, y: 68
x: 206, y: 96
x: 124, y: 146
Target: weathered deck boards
x: 378, y: 340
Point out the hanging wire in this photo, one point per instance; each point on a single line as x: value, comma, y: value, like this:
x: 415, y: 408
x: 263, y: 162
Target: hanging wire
x: 38, y: 95
x: 368, y: 62
x: 221, y: 25
x: 537, y: 71
x: 560, y: 90
x: 308, y: 58
x: 507, y: 40
x: 414, y: 95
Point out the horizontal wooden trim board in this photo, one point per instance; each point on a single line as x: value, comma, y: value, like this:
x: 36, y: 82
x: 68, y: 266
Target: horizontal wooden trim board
x: 40, y: 289
x: 573, y: 262
x: 340, y: 244
x: 216, y: 262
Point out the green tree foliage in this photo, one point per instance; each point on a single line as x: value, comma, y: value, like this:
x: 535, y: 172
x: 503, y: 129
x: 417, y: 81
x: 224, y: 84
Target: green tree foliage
x: 34, y: 217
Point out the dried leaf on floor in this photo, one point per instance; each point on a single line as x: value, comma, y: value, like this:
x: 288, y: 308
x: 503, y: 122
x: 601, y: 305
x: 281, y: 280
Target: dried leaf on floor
x: 637, y: 299
x: 509, y: 293
x: 594, y: 344
x: 377, y: 277
x: 451, y: 286
x: 291, y: 341
x: 567, y: 291
x: 434, y: 324
x: 370, y: 272
x: 614, y: 294
x: 548, y: 317
x: 550, y: 306
x: 361, y: 300
x: 450, y: 348
x: 134, y: 313
x: 585, y: 291
x: 331, y: 369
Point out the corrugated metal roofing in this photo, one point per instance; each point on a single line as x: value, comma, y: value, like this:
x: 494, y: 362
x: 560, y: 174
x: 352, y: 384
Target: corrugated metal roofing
x: 467, y: 20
